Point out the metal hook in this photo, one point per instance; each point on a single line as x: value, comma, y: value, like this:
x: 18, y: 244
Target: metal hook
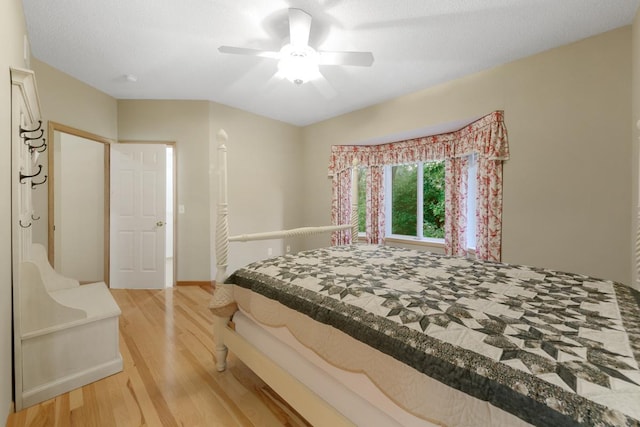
x: 23, y: 130
x: 22, y: 176
x: 30, y: 138
x: 24, y: 226
x: 34, y: 218
x: 33, y: 148
x: 34, y: 184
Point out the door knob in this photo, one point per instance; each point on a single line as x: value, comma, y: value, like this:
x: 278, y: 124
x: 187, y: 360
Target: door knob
x: 159, y: 223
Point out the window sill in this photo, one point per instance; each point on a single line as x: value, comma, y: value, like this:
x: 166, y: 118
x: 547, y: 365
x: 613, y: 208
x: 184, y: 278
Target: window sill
x: 431, y: 243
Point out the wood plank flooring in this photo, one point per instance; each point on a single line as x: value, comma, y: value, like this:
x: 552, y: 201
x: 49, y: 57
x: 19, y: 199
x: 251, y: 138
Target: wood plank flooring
x: 169, y: 376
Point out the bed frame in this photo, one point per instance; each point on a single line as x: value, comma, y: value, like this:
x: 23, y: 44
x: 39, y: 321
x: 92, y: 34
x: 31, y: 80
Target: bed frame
x: 512, y: 398
x: 301, y: 398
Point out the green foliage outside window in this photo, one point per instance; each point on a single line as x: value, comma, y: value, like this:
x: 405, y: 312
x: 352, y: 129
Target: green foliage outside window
x: 362, y: 200
x: 405, y: 200
x: 433, y: 200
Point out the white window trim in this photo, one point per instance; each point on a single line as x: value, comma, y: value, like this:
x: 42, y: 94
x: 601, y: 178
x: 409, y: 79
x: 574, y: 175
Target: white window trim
x: 408, y: 240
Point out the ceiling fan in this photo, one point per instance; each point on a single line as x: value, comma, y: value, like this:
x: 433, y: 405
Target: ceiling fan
x: 297, y: 61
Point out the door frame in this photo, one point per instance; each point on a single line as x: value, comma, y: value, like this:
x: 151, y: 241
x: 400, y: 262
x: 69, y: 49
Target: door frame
x: 174, y: 173
x: 51, y: 129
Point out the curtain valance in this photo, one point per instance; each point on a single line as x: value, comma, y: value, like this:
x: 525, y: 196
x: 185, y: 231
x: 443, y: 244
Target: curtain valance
x: 486, y: 136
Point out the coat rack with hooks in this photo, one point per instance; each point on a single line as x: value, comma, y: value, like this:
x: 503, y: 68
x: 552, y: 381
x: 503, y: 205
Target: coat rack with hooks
x: 39, y: 128
x: 26, y: 136
x: 33, y: 184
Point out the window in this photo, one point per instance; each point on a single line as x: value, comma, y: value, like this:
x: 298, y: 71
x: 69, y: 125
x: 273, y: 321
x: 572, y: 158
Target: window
x: 473, y: 203
x: 415, y: 200
x: 417, y: 190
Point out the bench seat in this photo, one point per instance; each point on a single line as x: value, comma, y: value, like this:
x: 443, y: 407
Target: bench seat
x: 69, y: 334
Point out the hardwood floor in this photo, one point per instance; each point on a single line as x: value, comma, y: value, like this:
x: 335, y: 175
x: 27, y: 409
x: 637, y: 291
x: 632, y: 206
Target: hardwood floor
x: 169, y: 376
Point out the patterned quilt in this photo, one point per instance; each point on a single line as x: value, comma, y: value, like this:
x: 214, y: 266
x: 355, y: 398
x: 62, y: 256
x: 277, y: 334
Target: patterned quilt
x: 552, y: 348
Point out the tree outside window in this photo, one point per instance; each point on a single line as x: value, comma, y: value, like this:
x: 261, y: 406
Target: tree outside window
x: 362, y: 199
x: 433, y: 200
x: 404, y: 199
x: 407, y: 183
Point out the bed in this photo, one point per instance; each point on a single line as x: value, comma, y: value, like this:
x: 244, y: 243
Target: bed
x: 376, y: 335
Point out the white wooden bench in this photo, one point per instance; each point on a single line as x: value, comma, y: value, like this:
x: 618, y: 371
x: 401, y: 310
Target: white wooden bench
x: 68, y: 331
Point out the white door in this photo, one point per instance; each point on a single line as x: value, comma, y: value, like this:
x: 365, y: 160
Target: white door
x: 138, y: 215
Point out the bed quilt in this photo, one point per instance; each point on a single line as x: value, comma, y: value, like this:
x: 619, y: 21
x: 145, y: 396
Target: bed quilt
x: 552, y: 348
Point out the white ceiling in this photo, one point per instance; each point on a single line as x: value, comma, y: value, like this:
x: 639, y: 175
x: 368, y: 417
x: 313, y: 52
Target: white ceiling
x: 170, y: 46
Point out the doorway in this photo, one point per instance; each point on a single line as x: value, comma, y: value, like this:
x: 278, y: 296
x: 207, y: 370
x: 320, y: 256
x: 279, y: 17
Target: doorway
x: 142, y: 215
x: 79, y: 235
x: 78, y: 200
x: 170, y: 229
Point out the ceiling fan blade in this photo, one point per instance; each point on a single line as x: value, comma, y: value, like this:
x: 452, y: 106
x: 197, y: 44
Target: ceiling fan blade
x: 299, y: 27
x: 250, y: 52
x: 360, y: 59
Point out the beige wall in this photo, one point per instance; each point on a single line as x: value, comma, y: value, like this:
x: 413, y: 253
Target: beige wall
x: 70, y: 102
x: 635, y: 117
x: 12, y: 33
x: 264, y: 184
x: 567, y: 187
x: 567, y: 206
x: 185, y: 123
x: 261, y: 155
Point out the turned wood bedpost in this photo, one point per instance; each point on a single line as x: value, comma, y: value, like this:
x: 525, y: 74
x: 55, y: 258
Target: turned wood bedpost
x: 222, y: 305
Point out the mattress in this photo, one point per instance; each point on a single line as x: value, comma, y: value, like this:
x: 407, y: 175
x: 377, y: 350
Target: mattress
x: 367, y: 386
x: 550, y: 348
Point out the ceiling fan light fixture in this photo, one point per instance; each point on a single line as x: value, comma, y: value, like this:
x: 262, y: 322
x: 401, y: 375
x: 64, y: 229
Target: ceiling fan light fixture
x: 297, y: 61
x: 298, y: 64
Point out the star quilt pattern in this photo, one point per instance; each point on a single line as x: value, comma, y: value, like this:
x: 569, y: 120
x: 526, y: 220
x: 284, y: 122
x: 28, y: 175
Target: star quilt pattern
x: 552, y: 348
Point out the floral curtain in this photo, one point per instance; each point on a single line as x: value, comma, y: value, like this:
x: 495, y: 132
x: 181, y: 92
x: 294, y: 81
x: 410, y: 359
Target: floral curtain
x: 375, y: 204
x: 341, y: 206
x: 489, y: 210
x: 487, y: 137
x: 455, y: 200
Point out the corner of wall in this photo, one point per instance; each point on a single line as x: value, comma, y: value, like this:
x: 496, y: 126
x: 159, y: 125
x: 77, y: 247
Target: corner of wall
x: 635, y: 158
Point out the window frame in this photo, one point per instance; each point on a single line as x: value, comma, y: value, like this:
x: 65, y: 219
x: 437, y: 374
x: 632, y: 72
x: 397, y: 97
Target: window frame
x: 419, y: 239
x: 388, y: 209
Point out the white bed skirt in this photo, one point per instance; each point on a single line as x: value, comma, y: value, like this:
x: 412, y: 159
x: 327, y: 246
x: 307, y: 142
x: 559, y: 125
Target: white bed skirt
x: 368, y: 407
x: 268, y: 326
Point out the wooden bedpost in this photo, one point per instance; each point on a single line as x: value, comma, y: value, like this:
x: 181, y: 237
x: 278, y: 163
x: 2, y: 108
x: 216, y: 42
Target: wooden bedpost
x: 222, y: 305
x: 354, y: 202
